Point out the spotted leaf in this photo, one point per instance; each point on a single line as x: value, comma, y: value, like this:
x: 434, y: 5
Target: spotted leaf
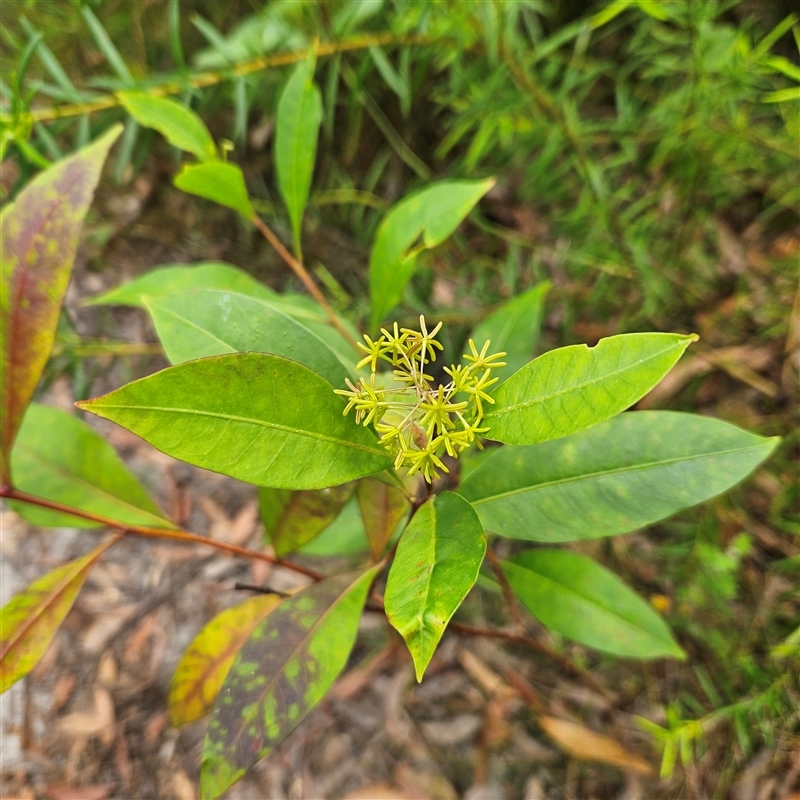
x: 39, y: 235
x: 206, y: 661
x: 283, y: 670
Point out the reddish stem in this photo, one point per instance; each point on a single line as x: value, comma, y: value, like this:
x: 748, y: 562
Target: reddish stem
x: 302, y: 273
x: 175, y: 534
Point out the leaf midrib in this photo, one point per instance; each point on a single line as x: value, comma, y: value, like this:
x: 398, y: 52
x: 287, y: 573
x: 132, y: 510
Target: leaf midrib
x: 246, y: 420
x: 616, y: 471
x: 54, y: 595
x: 578, y: 386
x: 588, y: 600
x: 301, y: 646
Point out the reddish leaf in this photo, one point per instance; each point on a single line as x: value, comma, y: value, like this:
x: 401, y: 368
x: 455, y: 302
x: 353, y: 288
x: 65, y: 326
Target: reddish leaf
x: 39, y: 235
x: 294, y: 518
x: 382, y: 507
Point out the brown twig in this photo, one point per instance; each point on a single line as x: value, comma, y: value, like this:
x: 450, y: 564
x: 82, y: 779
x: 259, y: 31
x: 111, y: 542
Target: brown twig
x: 508, y: 593
x: 539, y: 647
x: 302, y: 273
x: 174, y: 534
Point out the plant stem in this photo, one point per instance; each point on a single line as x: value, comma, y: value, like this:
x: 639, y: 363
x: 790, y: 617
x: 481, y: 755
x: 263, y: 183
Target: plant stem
x: 174, y: 534
x: 213, y: 77
x: 302, y: 273
x: 508, y: 593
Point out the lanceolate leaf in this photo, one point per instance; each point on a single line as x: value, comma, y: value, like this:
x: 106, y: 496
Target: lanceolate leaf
x: 626, y: 473
x: 437, y: 563
x: 206, y: 661
x: 174, y: 278
x: 429, y: 215
x: 30, y: 620
x: 259, y: 418
x: 296, y: 134
x: 514, y: 329
x: 59, y: 457
x: 220, y: 181
x: 177, y: 123
x: 575, y: 596
x: 382, y: 508
x: 284, y: 669
x: 209, y: 322
x: 292, y: 519
x: 573, y: 388
x: 39, y: 234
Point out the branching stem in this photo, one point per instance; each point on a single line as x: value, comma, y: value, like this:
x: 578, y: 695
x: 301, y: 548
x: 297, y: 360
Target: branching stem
x: 174, y: 534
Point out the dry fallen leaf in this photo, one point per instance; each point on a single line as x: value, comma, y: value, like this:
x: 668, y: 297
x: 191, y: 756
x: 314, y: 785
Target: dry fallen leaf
x: 182, y: 786
x: 99, y: 722
x: 585, y: 744
x: 376, y: 791
x: 95, y: 792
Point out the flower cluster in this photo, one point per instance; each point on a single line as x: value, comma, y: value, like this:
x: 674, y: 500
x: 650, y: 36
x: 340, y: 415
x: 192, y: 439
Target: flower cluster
x: 416, y: 420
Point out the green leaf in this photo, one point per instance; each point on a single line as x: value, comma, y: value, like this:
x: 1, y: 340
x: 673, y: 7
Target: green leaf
x: 437, y: 563
x: 59, y: 457
x: 284, y: 669
x: 209, y: 322
x: 292, y: 519
x: 177, y: 123
x: 39, y: 235
x: 220, y: 181
x: 296, y: 134
x: 432, y: 214
x: 174, y: 278
x: 207, y: 660
x: 514, y: 329
x: 572, y: 388
x: 382, y: 507
x: 29, y: 621
x: 628, y: 472
x: 260, y: 418
x: 573, y: 595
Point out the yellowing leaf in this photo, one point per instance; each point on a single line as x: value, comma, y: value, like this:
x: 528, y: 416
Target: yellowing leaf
x: 587, y: 745
x: 39, y: 235
x: 206, y: 661
x: 29, y: 621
